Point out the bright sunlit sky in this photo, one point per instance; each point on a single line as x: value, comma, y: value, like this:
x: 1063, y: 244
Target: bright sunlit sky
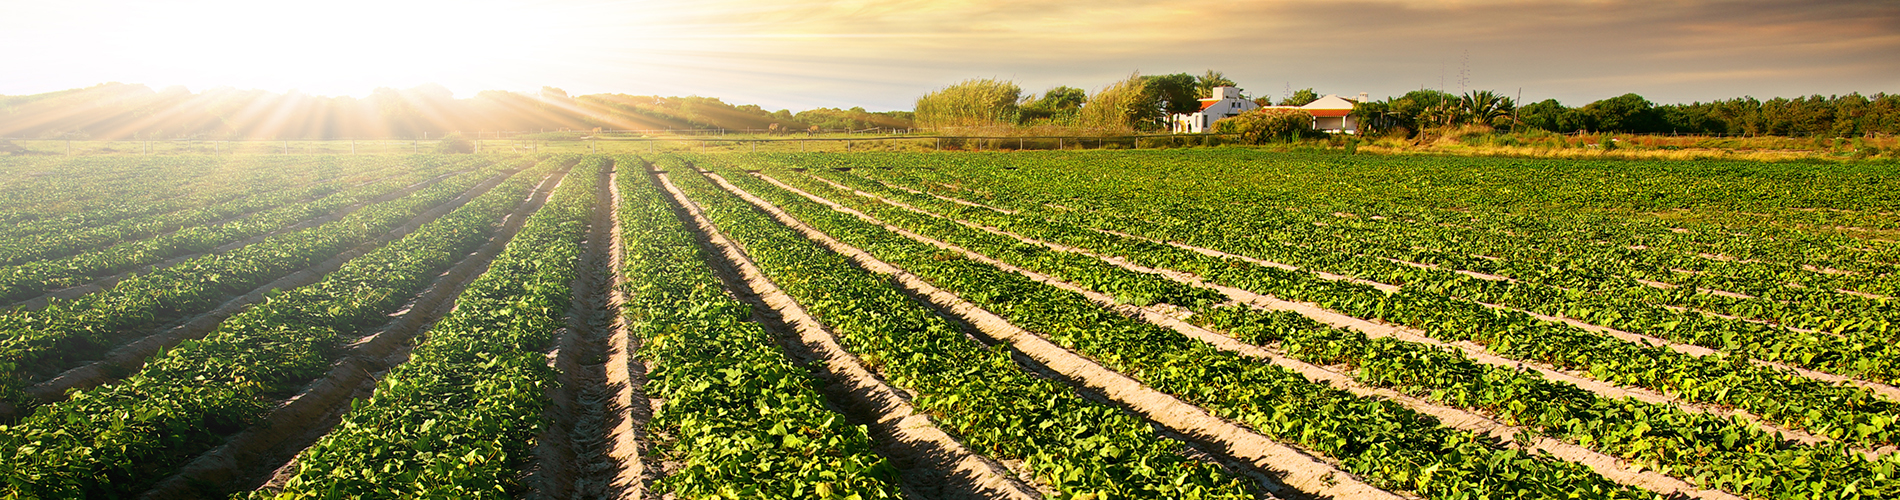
x: 801, y: 54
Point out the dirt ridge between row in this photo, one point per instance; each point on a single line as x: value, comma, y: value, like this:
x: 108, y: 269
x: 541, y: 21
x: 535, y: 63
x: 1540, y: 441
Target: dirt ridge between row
x: 1288, y: 464
x: 625, y: 445
x: 906, y: 437
x: 254, y: 456
x: 1609, y: 466
x: 128, y: 357
x: 590, y: 450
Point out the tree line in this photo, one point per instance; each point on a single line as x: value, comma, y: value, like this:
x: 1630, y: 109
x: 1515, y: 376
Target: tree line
x: 1144, y: 103
x: 1851, y: 115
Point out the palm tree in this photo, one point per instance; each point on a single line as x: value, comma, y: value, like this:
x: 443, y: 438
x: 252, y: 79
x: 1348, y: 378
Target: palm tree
x: 1484, y: 106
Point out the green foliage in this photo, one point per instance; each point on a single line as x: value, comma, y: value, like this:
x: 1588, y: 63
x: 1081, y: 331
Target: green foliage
x: 740, y: 416
x: 1300, y: 97
x: 1204, y: 84
x: 850, y: 119
x: 117, y: 439
x: 458, y: 419
x: 1489, y: 216
x: 454, y: 144
x: 972, y: 103
x: 1627, y: 112
x: 1266, y: 125
x: 1174, y: 94
x: 1125, y: 105
x: 1372, y: 437
x: 41, y: 343
x: 1079, y: 448
x: 1057, y: 106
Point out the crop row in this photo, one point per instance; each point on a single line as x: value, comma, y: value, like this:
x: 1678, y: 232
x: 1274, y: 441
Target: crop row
x: 33, y: 278
x: 1845, y: 413
x: 1860, y: 347
x: 1375, y: 438
x: 739, y: 416
x: 117, y: 439
x: 1719, y: 452
x: 216, y: 205
x: 1569, y: 247
x: 1580, y: 250
x: 36, y: 343
x: 457, y: 420
x: 67, y: 194
x: 1071, y: 445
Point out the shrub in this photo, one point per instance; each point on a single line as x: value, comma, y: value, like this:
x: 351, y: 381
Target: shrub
x: 973, y: 103
x: 454, y: 144
x: 1265, y: 125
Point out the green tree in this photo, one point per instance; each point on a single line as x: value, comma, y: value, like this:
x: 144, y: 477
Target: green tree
x: 1058, y: 105
x: 972, y: 103
x: 1624, y: 113
x: 1486, y: 107
x: 1174, y: 94
x: 1204, y: 85
x: 1550, y: 115
x: 1300, y: 98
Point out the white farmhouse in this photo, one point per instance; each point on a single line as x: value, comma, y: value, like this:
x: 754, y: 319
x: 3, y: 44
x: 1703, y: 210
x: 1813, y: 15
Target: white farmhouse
x: 1225, y: 103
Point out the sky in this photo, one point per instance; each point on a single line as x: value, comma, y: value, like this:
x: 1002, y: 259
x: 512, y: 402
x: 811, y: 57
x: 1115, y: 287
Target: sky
x: 882, y: 55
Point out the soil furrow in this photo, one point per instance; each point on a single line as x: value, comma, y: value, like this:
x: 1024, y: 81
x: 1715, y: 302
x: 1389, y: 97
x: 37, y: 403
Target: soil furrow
x: 1291, y: 466
x: 255, y: 456
x: 931, y: 459
x: 625, y: 374
x: 594, y: 452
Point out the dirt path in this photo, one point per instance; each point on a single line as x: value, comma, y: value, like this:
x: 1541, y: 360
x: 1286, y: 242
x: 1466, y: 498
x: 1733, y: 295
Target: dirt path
x: 926, y: 453
x: 1609, y: 466
x: 129, y: 357
x: 257, y: 455
x: 1290, y: 465
x: 591, y: 449
x: 554, y: 469
x: 625, y: 374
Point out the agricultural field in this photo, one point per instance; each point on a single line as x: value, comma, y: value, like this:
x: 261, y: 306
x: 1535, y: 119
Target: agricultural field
x: 1214, y: 323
